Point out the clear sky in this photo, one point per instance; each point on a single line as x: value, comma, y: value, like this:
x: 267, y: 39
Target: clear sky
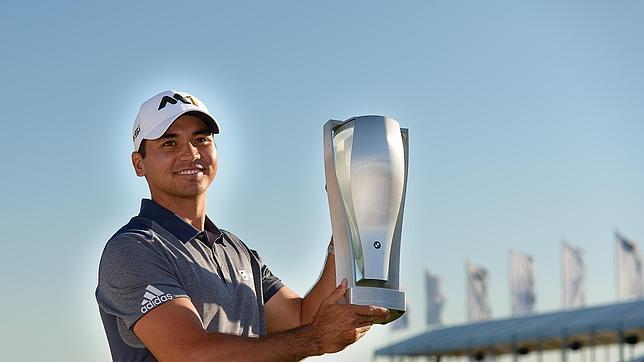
x: 526, y: 124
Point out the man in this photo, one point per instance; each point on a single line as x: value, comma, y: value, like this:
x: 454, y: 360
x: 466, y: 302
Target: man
x: 173, y: 286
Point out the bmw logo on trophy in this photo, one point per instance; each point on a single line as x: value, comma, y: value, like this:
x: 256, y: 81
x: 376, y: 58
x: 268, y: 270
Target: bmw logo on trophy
x: 365, y: 161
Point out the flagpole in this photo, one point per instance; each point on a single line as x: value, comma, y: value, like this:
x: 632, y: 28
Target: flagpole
x: 534, y: 285
x: 562, y: 269
x: 511, y: 273
x: 617, y: 258
x: 564, y: 273
x: 467, y: 290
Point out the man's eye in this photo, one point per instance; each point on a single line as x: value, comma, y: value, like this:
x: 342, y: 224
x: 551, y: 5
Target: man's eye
x: 168, y: 144
x: 202, y: 140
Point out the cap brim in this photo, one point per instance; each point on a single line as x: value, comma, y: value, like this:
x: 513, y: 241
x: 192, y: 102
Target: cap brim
x: 162, y: 127
x: 210, y: 121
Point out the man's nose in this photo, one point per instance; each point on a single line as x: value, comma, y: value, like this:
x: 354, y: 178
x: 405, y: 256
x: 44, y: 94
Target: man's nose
x: 191, y: 152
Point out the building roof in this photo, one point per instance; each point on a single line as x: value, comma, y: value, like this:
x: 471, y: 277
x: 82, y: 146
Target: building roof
x: 575, y: 328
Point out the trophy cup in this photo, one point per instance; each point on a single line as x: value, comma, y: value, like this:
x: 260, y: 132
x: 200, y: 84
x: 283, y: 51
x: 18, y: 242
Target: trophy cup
x: 365, y: 162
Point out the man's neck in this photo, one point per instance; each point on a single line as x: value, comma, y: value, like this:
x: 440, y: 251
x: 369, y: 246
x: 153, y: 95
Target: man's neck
x: 191, y: 210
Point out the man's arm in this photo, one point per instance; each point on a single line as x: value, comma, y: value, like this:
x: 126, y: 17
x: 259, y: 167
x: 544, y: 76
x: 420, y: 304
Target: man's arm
x: 324, y: 286
x: 286, y: 309
x: 174, y: 331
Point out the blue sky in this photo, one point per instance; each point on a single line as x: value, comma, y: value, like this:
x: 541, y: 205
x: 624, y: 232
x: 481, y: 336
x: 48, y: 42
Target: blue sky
x: 525, y: 120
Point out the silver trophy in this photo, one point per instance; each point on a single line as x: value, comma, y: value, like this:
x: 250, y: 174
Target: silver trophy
x: 365, y: 162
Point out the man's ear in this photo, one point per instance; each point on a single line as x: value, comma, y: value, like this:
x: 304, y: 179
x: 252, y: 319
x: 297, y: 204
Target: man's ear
x: 137, y: 162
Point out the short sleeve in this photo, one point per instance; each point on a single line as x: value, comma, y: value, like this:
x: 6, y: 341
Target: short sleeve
x: 135, y: 276
x: 270, y: 283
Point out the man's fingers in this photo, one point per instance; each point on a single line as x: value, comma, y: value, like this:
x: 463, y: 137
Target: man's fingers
x: 338, y: 293
x: 363, y: 322
x: 371, y: 311
x: 373, y: 316
x: 361, y: 331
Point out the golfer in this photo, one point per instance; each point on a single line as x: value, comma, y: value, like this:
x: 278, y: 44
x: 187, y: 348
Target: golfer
x: 172, y: 286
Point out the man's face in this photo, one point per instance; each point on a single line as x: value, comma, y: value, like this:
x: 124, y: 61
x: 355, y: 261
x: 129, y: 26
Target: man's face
x: 180, y: 164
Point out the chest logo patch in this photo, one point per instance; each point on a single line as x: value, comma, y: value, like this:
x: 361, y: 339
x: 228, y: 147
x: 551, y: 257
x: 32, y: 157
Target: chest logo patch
x: 243, y: 274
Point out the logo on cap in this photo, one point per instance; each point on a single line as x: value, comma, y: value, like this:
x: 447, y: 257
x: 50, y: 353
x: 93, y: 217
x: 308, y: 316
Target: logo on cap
x: 173, y: 100
x: 136, y: 132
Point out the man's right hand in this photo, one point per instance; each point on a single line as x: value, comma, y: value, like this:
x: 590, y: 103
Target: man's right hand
x: 338, y: 325
x: 174, y: 331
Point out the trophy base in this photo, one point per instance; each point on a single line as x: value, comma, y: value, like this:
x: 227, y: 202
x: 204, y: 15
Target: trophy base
x: 393, y: 300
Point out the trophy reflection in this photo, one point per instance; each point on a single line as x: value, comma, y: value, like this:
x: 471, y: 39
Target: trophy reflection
x: 365, y: 160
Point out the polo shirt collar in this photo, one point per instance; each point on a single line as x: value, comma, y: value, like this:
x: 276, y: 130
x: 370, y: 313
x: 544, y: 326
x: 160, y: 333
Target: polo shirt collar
x: 174, y: 224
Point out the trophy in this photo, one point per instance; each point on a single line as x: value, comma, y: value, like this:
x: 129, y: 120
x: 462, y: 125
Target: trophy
x: 365, y: 162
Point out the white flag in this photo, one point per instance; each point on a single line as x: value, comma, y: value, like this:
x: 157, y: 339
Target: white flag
x: 435, y: 299
x: 574, y: 276
x: 479, y: 301
x: 629, y: 268
x: 522, y: 283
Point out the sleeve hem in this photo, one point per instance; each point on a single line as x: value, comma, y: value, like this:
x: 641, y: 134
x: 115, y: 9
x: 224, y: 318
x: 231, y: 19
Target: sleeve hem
x: 272, y: 290
x: 130, y: 325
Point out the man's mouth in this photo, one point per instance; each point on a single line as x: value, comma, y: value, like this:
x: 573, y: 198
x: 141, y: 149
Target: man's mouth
x: 190, y: 171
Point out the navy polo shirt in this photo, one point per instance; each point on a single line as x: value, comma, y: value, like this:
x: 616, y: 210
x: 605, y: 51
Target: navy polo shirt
x: 158, y: 257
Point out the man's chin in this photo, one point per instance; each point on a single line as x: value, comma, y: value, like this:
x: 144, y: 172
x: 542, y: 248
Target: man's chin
x: 193, y: 190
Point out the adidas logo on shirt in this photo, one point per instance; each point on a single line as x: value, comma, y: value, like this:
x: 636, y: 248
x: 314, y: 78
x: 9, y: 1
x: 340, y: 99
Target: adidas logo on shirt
x: 152, y: 298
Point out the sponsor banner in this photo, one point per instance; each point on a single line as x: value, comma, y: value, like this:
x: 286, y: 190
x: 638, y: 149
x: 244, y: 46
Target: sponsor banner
x: 574, y: 276
x: 629, y: 269
x: 435, y: 299
x: 478, y: 298
x: 522, y: 283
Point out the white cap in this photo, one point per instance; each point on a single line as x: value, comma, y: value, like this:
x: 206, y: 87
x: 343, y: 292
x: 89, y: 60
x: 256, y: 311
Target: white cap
x: 159, y: 112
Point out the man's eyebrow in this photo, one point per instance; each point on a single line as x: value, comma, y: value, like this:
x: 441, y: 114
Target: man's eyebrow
x: 204, y: 131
